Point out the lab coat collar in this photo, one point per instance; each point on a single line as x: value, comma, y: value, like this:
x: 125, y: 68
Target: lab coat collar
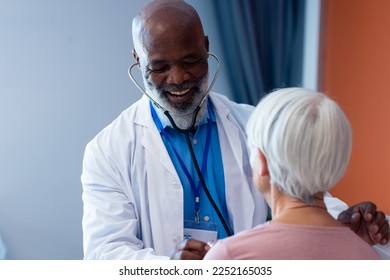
x: 151, y: 138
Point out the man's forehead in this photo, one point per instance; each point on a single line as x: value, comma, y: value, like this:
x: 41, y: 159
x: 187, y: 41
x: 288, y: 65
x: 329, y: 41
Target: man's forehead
x: 163, y: 26
x: 168, y: 21
x: 169, y: 34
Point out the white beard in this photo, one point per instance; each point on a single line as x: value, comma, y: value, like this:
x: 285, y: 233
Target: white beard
x: 182, y: 121
x: 183, y: 117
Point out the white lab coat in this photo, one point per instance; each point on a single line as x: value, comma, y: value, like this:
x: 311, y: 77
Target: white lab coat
x: 133, y: 198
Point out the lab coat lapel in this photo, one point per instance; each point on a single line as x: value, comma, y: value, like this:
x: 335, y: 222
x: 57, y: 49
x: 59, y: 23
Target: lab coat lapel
x: 151, y: 139
x: 238, y: 195
x: 165, y: 193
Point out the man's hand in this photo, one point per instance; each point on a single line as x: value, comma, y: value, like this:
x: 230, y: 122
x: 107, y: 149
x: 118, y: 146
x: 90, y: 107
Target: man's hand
x: 364, y: 219
x: 190, y: 249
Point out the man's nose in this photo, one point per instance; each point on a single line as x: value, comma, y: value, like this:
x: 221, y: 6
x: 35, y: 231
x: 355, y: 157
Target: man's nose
x: 177, y: 75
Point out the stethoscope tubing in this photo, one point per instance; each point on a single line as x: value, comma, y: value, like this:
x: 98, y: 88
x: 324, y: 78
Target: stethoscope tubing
x: 186, y: 131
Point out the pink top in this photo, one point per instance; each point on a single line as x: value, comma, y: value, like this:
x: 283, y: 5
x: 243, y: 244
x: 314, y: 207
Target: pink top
x: 280, y: 241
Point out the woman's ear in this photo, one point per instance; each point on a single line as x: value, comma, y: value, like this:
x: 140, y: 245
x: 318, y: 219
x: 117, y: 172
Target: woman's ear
x: 263, y: 164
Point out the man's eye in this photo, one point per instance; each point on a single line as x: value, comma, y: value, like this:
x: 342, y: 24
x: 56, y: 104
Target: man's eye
x: 159, y: 69
x: 191, y: 63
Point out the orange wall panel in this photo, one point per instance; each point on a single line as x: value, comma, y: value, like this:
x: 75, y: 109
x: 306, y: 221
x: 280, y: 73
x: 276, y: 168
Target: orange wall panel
x: 356, y: 73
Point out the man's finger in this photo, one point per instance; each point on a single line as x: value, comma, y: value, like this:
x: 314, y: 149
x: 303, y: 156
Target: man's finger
x: 369, y: 210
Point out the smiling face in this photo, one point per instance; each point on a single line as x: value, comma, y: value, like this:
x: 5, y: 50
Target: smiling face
x: 172, y: 51
x: 176, y: 67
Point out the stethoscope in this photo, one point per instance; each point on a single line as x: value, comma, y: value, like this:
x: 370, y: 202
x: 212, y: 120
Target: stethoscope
x: 187, y: 130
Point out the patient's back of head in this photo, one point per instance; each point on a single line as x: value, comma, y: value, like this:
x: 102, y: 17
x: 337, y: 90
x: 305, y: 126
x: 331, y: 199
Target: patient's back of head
x: 306, y: 138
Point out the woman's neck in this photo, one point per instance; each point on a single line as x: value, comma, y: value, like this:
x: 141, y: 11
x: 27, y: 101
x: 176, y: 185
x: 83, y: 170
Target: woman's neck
x: 287, y: 209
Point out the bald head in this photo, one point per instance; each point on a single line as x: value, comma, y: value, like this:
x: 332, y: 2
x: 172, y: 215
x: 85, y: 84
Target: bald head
x: 162, y: 17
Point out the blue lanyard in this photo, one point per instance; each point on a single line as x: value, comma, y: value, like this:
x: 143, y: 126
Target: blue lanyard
x: 196, y: 189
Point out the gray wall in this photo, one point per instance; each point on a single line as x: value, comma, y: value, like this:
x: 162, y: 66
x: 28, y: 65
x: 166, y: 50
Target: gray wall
x: 63, y: 77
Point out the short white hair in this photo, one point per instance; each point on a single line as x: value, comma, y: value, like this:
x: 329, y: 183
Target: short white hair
x: 306, y: 139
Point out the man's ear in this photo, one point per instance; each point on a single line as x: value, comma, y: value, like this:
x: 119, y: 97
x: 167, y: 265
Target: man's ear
x: 206, y: 43
x: 135, y: 55
x: 263, y: 164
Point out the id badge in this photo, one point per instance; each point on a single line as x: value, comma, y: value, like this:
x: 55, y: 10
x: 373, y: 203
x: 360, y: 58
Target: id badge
x: 204, y: 231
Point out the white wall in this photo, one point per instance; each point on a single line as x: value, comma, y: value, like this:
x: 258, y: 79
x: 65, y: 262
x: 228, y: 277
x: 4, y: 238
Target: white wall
x: 63, y: 77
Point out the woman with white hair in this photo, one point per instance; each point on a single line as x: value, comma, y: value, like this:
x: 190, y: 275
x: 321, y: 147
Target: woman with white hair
x: 300, y: 144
